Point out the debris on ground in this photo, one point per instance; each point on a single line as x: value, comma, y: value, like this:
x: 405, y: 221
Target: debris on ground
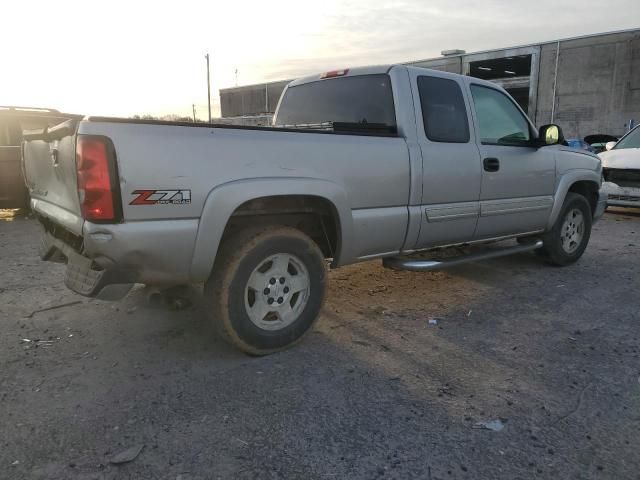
x: 53, y: 307
x: 179, y: 297
x: 178, y: 303
x: 434, y: 320
x: 493, y: 425
x: 445, y: 390
x: 28, y: 343
x: 377, y: 289
x: 127, y: 456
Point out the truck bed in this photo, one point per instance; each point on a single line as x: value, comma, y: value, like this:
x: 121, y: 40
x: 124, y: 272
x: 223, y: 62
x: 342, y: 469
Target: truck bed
x: 169, y: 172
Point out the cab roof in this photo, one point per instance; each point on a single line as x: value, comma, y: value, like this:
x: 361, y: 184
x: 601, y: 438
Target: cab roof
x: 349, y: 72
x: 382, y: 69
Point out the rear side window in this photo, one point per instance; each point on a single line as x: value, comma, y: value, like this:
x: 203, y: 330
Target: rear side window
x: 443, y: 110
x: 360, y: 99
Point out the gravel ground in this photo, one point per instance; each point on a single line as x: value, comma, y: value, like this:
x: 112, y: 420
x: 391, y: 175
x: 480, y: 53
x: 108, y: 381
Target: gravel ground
x: 376, y: 391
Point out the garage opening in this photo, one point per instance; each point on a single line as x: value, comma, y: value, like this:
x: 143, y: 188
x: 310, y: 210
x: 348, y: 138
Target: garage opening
x: 512, y: 73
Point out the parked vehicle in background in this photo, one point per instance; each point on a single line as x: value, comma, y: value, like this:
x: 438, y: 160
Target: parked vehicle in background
x: 592, y: 143
x: 579, y: 144
x: 13, y: 120
x: 621, y: 170
x: 598, y: 141
x: 401, y: 160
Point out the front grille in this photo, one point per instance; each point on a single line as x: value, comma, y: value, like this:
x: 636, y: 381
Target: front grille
x: 624, y: 198
x: 622, y: 178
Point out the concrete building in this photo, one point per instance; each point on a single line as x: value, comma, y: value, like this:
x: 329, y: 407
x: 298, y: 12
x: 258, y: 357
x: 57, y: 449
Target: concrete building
x: 251, y: 99
x: 587, y: 84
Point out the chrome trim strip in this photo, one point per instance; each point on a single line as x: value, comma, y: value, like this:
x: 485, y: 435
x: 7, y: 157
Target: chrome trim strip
x: 451, y: 211
x: 515, y: 205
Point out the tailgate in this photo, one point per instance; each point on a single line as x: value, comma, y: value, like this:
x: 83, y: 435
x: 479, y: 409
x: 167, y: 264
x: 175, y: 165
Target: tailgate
x: 49, y: 157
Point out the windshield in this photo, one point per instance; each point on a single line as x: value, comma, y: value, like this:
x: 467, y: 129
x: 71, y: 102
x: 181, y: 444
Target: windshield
x: 632, y: 140
x: 365, y: 99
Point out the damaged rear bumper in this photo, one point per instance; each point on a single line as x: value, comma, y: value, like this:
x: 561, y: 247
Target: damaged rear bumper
x: 106, y: 260
x: 83, y: 275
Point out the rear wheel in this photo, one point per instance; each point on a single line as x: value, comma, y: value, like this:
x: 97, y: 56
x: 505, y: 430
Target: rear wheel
x: 565, y: 243
x: 267, y: 288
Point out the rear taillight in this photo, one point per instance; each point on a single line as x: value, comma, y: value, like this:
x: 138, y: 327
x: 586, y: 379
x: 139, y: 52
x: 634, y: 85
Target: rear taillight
x: 97, y: 179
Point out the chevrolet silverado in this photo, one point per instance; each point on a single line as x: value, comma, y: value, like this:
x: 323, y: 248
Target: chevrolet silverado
x: 360, y: 164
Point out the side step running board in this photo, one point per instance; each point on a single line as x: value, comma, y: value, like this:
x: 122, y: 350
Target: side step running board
x: 418, y: 265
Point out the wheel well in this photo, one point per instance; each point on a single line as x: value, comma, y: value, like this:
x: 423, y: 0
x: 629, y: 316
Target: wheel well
x: 588, y: 190
x: 315, y: 216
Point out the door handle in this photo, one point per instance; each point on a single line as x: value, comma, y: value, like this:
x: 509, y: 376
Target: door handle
x: 491, y: 164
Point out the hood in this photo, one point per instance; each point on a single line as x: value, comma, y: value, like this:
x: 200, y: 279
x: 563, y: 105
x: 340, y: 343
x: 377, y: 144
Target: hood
x: 621, y: 158
x: 600, y: 138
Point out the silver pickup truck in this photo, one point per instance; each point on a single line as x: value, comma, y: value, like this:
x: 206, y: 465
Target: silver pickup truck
x: 365, y: 163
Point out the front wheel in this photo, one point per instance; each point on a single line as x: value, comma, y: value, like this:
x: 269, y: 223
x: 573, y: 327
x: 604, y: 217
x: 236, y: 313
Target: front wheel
x: 565, y: 243
x: 267, y: 288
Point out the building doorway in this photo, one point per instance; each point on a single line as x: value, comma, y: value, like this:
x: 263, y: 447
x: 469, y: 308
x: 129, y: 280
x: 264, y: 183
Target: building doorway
x: 515, y: 70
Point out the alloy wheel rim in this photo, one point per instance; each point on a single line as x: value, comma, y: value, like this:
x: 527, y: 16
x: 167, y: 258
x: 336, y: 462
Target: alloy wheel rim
x: 572, y: 231
x: 277, y: 292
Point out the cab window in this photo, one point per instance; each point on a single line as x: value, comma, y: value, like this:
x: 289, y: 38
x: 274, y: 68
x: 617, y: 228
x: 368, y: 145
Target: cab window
x: 362, y: 99
x: 443, y: 111
x: 499, y: 120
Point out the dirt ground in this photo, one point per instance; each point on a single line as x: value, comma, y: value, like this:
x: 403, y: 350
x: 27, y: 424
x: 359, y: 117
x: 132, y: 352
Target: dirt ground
x: 376, y: 391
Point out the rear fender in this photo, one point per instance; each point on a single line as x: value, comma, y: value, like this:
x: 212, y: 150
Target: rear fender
x: 223, y: 200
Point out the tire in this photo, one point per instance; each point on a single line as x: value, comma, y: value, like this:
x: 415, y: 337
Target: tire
x: 267, y: 288
x: 567, y: 240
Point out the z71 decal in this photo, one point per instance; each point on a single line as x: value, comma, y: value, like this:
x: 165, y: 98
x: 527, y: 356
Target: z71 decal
x: 161, y: 197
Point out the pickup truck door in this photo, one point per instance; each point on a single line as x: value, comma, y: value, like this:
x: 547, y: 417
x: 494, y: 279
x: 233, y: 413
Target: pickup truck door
x: 450, y: 159
x: 518, y: 179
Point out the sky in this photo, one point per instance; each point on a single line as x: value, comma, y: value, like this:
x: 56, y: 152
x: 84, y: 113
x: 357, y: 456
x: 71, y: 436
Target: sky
x: 121, y: 58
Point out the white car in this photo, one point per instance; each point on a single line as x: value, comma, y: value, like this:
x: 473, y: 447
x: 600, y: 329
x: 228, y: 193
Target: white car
x: 621, y: 170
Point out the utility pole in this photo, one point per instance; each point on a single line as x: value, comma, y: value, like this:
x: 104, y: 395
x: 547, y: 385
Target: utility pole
x: 208, y: 87
x: 193, y: 106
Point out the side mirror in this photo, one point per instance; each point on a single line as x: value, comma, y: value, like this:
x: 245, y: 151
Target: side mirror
x: 609, y: 145
x: 550, y: 135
